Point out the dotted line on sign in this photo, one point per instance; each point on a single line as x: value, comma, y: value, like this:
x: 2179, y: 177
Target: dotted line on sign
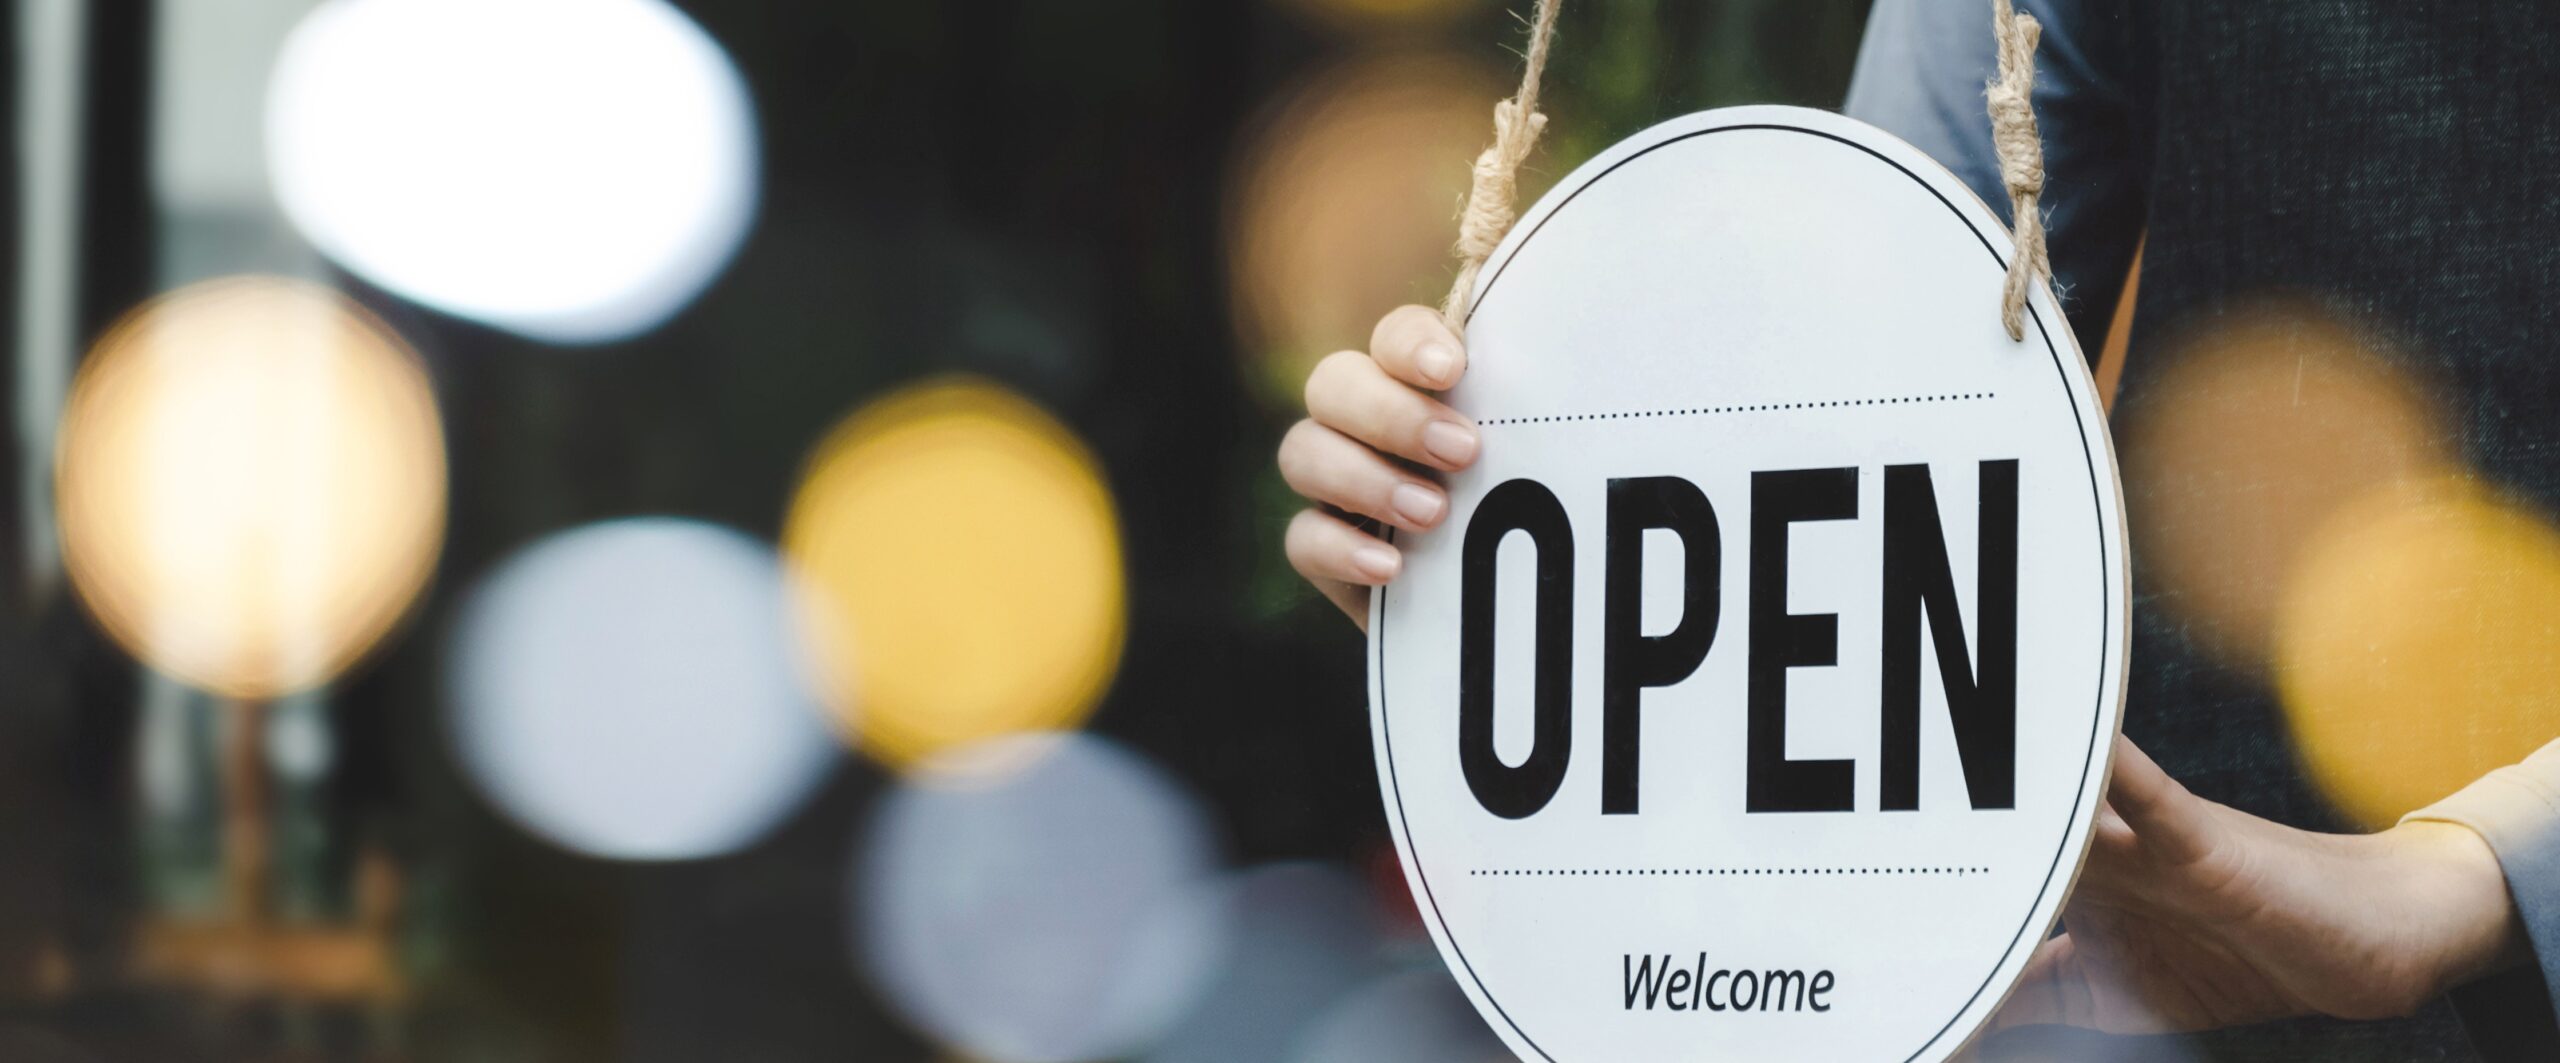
x: 1692, y: 872
x: 1766, y: 407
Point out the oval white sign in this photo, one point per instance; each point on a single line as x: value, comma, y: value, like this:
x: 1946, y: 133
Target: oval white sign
x: 1756, y: 700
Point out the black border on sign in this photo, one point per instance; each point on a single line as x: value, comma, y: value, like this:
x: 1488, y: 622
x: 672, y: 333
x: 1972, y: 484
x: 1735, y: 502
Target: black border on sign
x: 2106, y: 610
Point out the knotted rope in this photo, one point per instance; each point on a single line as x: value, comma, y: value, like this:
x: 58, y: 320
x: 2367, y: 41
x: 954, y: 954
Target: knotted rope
x: 2014, y: 139
x: 1517, y: 123
x: 1489, y: 211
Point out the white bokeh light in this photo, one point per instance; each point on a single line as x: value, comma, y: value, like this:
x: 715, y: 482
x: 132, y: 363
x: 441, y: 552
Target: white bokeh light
x: 1040, y: 898
x: 1302, y: 936
x: 630, y: 690
x: 572, y: 170
x: 1415, y: 1016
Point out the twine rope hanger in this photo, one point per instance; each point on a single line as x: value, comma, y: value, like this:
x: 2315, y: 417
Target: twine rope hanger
x: 2009, y: 98
x: 2020, y: 148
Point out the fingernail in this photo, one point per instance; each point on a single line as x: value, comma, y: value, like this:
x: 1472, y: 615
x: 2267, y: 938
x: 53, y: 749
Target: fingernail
x: 1438, y: 362
x: 1450, y: 442
x: 1376, y: 562
x: 1418, y: 505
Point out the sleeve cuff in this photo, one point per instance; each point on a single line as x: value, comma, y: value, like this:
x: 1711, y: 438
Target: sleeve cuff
x: 2515, y: 806
x: 2516, y: 809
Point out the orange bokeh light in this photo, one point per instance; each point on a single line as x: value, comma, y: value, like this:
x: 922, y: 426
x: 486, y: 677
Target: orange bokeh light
x: 1386, y: 15
x: 251, y: 484
x: 1344, y: 204
x: 2261, y: 425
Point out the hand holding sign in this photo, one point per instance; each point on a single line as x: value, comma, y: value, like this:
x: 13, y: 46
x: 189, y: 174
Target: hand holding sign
x: 1368, y: 415
x: 2192, y: 915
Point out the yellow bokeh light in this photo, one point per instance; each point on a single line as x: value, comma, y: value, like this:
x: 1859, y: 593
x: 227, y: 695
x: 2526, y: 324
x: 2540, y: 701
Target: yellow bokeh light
x: 2261, y: 425
x: 2419, y: 645
x: 963, y: 551
x: 251, y: 484
x: 1345, y: 202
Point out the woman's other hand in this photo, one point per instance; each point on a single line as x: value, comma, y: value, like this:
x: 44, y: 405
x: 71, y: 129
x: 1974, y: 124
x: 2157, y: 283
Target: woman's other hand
x: 2191, y: 915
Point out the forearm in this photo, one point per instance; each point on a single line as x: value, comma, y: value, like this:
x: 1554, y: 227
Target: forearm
x: 2456, y: 903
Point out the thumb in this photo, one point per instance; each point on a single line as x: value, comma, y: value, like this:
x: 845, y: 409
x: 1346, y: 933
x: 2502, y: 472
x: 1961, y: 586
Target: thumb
x: 2167, y: 821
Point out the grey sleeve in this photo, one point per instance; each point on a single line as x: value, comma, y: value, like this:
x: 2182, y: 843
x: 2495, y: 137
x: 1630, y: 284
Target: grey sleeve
x: 2517, y: 810
x: 1920, y: 76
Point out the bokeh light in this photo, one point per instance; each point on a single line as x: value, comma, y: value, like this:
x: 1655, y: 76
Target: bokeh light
x: 2261, y: 425
x: 632, y: 690
x: 2419, y: 646
x: 573, y: 170
x: 965, y: 543
x: 1414, y: 1016
x: 1302, y: 936
x: 300, y: 744
x: 1039, y: 899
x: 1386, y: 15
x: 251, y: 484
x: 1343, y: 204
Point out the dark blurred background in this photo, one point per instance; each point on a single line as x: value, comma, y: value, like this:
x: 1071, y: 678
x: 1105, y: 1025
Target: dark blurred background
x: 1128, y: 225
